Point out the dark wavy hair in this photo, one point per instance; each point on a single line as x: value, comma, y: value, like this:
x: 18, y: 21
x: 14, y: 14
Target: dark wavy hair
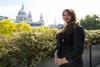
x: 72, y: 21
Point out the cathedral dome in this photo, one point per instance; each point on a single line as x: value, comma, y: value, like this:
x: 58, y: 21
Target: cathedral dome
x: 22, y: 12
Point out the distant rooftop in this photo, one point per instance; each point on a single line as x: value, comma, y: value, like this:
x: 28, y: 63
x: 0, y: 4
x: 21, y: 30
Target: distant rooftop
x: 3, y: 17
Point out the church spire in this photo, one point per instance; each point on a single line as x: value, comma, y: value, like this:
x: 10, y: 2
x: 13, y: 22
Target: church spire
x: 41, y: 19
x: 29, y: 17
x: 55, y: 22
x: 22, y: 6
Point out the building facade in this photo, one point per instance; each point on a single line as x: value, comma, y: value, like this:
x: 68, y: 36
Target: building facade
x: 23, y: 16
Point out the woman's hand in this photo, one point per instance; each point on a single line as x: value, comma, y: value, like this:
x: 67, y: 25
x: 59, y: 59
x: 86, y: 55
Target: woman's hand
x: 57, y: 60
x: 60, y: 61
x: 64, y: 60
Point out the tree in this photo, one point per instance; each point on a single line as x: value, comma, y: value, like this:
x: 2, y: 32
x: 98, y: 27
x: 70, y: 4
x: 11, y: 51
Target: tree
x: 8, y: 27
x: 91, y: 22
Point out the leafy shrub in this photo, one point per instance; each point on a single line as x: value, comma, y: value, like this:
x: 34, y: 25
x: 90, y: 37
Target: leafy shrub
x: 28, y: 48
x: 8, y: 27
x: 92, y: 36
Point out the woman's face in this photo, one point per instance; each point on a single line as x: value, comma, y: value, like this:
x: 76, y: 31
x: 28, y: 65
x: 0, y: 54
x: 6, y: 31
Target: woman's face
x: 66, y: 17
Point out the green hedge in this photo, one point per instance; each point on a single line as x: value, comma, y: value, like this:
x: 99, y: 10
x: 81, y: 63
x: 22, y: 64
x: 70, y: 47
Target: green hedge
x: 92, y: 36
x: 24, y: 49
x: 27, y: 48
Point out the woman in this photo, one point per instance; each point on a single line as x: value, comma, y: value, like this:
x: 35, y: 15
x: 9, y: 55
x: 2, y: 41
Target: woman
x: 70, y: 42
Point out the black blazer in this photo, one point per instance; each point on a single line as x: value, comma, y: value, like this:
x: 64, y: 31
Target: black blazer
x: 70, y: 44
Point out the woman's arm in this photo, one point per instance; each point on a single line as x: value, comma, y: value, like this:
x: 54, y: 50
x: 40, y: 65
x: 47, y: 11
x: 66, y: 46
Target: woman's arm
x: 59, y: 42
x: 78, y: 42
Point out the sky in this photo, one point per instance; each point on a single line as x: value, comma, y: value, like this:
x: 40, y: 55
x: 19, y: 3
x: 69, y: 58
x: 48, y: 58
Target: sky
x: 50, y: 9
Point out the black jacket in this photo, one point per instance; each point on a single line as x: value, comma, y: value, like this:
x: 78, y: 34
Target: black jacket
x: 70, y: 44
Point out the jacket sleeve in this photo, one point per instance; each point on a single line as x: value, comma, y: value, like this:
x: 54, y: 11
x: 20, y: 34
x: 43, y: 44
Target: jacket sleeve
x: 78, y: 44
x: 59, y: 42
